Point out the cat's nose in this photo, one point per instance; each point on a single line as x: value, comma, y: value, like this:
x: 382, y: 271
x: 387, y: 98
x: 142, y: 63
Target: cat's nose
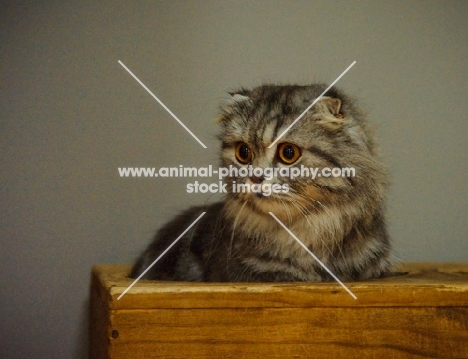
x: 256, y: 179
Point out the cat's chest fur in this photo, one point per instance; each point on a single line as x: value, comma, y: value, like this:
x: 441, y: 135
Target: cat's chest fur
x: 256, y: 248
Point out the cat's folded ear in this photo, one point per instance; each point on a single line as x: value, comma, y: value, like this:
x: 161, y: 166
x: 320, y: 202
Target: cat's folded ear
x: 327, y: 111
x: 234, y: 101
x: 238, y: 97
x: 332, y: 104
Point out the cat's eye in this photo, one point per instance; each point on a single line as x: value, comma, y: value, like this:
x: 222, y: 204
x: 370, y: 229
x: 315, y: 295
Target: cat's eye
x: 243, y: 153
x: 288, y: 153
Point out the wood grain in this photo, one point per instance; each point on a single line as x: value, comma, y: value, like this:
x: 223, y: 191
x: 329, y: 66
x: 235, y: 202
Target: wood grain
x: 421, y: 313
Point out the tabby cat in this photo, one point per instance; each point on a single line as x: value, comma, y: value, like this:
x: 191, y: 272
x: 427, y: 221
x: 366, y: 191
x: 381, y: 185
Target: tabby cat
x: 339, y: 218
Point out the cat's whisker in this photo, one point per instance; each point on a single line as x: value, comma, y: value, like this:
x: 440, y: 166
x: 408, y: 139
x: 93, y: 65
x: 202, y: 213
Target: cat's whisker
x: 288, y: 211
x: 234, y: 229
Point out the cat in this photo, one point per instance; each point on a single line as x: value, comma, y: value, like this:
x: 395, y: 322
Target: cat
x: 340, y: 219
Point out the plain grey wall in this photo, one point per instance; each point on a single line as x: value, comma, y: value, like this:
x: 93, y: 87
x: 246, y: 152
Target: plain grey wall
x: 70, y: 115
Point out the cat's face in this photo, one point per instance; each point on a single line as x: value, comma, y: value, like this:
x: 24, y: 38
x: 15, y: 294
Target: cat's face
x: 327, y: 136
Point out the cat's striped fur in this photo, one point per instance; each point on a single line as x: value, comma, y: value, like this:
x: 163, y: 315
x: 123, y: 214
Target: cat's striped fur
x: 341, y: 220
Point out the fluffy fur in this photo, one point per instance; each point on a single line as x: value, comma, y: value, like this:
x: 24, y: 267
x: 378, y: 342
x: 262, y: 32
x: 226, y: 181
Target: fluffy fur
x: 341, y: 220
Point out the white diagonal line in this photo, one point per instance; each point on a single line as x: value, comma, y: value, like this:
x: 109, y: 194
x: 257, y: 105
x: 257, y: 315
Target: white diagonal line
x: 313, y: 255
x: 160, y: 256
x: 160, y: 102
x: 310, y: 106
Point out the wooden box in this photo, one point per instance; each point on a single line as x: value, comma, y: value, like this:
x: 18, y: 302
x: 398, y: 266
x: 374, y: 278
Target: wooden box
x: 421, y: 312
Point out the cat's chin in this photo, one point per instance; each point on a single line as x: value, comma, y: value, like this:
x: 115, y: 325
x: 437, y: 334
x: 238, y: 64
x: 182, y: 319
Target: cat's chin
x: 261, y: 204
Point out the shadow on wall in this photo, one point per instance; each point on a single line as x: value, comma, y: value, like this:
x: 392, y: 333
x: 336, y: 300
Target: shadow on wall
x: 82, y: 341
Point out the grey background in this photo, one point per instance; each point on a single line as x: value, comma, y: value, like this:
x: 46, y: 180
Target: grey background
x: 70, y: 115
